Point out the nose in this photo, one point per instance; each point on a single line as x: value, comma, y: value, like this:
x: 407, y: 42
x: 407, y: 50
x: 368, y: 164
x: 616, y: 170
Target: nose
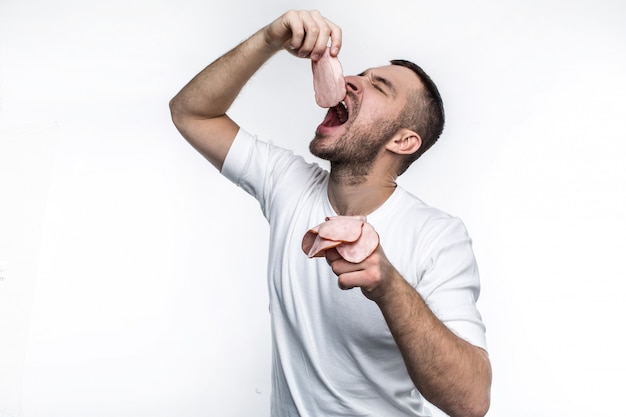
x: 353, y: 83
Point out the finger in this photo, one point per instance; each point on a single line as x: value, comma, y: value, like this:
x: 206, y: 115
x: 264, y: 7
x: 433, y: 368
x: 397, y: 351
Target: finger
x: 337, y: 263
x: 311, y: 32
x: 331, y: 255
x: 318, y: 35
x: 336, y: 39
x: 367, y: 280
x: 340, y: 267
x: 349, y: 280
x: 342, y: 285
x: 293, y: 22
x: 323, y: 36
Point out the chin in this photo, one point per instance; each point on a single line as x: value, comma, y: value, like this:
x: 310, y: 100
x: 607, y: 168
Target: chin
x: 318, y: 148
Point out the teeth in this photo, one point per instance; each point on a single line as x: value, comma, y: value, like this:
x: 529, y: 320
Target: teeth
x: 342, y: 111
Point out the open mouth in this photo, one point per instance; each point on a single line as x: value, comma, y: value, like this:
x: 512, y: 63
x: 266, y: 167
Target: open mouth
x: 336, y: 116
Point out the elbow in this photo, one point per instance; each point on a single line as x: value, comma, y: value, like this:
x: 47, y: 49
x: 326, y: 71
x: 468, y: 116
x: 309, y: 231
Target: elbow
x: 179, y: 114
x: 175, y: 111
x: 480, y: 408
x: 476, y: 401
x: 477, y: 409
x: 476, y: 406
x: 482, y: 396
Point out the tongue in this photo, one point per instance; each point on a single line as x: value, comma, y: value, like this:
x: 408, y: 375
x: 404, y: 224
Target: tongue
x: 331, y: 119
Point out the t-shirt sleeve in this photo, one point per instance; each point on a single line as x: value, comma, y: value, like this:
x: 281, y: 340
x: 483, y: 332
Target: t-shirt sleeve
x: 238, y: 158
x: 450, y: 282
x: 271, y: 174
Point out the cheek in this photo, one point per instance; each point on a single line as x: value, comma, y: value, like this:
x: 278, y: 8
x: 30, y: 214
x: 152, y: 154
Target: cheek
x: 377, y: 112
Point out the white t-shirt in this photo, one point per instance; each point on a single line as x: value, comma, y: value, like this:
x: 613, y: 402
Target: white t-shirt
x: 333, y: 354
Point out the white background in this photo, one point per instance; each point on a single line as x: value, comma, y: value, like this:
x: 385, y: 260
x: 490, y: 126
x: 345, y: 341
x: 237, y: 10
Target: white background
x: 132, y: 274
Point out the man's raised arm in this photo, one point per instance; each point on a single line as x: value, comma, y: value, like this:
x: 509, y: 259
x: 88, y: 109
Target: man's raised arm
x: 199, y: 109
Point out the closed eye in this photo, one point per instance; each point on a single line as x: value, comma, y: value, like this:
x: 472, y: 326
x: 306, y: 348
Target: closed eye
x: 381, y: 84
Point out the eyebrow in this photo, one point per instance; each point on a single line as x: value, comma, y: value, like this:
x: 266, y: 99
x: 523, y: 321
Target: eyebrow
x: 381, y: 80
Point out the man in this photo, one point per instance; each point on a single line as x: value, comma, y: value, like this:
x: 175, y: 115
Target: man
x: 413, y: 331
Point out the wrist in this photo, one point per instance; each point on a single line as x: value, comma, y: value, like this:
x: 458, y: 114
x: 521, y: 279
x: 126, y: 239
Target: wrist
x: 389, y: 290
x: 267, y: 41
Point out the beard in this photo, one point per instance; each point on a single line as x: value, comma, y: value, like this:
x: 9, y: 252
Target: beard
x: 352, y: 154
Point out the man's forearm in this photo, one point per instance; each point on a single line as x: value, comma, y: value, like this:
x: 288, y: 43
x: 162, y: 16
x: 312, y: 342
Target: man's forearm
x: 199, y: 109
x: 448, y: 371
x: 210, y: 93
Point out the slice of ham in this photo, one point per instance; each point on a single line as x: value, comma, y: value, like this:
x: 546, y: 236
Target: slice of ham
x: 354, y: 238
x: 328, y: 82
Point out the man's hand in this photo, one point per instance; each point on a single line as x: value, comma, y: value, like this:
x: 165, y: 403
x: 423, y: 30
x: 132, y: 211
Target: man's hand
x: 375, y: 275
x: 304, y: 34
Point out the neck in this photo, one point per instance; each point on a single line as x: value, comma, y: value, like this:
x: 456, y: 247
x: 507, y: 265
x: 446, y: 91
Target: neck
x: 360, y: 195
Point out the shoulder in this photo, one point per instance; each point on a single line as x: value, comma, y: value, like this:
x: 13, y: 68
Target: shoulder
x: 417, y: 213
x: 427, y: 229
x: 275, y: 176
x: 251, y: 156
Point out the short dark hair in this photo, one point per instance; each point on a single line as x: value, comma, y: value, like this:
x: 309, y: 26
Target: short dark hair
x: 423, y: 113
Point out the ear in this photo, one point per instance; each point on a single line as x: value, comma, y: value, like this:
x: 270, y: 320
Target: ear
x: 404, y: 142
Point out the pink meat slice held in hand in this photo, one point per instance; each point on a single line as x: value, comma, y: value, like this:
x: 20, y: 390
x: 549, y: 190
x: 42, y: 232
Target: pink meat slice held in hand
x: 354, y: 238
x: 328, y: 82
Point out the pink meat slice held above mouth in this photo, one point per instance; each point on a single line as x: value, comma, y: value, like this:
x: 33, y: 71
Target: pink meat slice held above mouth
x: 328, y: 81
x: 354, y: 238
